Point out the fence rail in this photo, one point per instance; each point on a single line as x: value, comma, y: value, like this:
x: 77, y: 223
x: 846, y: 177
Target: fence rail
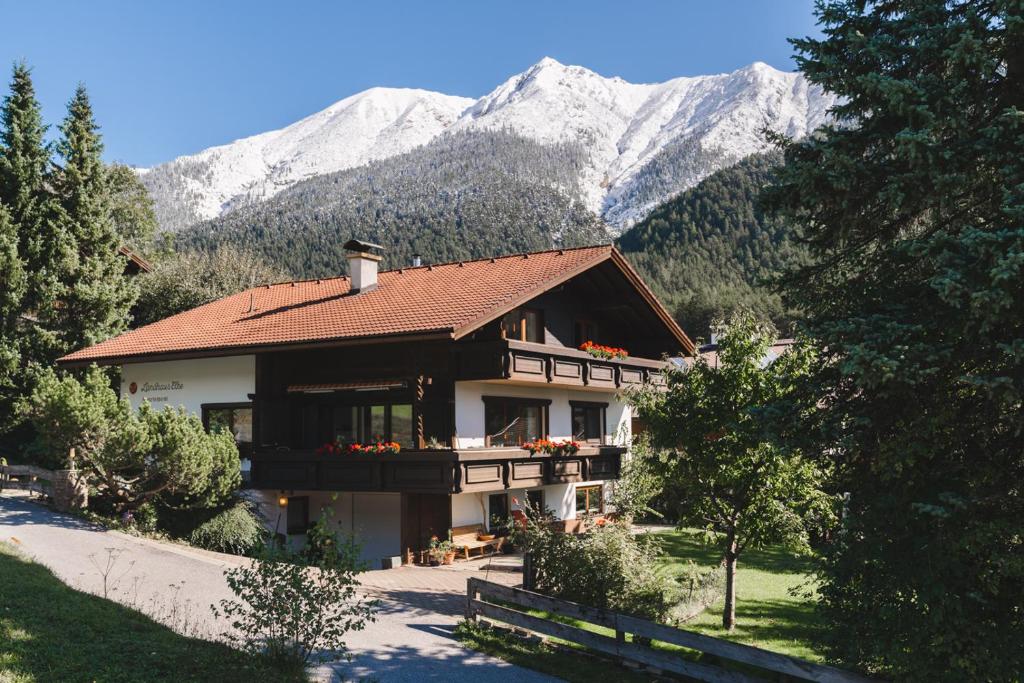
x: 477, y: 604
x: 28, y: 478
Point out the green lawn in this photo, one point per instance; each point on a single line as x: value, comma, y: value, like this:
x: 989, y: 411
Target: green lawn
x: 50, y: 632
x: 767, y: 614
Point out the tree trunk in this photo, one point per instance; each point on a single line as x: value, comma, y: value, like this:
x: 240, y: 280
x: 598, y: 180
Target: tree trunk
x: 729, y: 613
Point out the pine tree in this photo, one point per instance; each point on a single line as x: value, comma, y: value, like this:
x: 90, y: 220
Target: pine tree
x: 98, y: 295
x: 12, y: 289
x: 913, y: 205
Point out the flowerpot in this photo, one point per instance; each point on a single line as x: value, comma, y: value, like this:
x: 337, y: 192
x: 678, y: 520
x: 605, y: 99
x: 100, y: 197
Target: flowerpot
x: 449, y: 558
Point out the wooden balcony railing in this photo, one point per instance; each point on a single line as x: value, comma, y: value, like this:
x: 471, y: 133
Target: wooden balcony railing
x: 430, y: 471
x: 549, y: 364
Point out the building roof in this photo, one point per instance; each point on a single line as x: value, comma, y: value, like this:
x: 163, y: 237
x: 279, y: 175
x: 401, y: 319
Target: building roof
x: 446, y: 300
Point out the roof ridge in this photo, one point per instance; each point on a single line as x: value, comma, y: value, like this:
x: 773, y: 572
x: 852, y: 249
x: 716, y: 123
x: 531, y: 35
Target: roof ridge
x: 425, y: 266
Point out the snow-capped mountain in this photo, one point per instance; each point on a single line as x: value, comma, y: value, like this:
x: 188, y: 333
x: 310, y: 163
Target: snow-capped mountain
x: 646, y: 142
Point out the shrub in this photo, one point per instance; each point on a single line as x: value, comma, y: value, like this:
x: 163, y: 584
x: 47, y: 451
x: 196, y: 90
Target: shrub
x: 608, y: 567
x: 133, y: 457
x: 292, y: 609
x: 236, y: 530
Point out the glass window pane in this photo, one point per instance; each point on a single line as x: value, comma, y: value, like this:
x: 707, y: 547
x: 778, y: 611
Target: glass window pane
x: 378, y: 430
x: 401, y: 424
x: 218, y: 419
x: 242, y: 425
x: 512, y: 325
x: 581, y: 500
x: 510, y: 423
x: 346, y: 424
x: 534, y: 328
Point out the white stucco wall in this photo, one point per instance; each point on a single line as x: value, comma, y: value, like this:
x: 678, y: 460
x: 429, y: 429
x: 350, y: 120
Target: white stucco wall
x: 374, y: 518
x: 469, y: 410
x: 190, y: 383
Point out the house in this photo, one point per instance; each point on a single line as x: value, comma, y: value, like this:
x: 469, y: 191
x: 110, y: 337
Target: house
x: 459, y: 363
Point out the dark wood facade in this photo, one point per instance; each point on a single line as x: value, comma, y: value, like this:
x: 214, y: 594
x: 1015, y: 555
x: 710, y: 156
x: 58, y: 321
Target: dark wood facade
x: 422, y: 374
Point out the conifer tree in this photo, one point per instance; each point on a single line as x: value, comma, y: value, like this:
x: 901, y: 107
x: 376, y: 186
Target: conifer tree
x: 12, y: 289
x: 98, y: 295
x: 913, y: 205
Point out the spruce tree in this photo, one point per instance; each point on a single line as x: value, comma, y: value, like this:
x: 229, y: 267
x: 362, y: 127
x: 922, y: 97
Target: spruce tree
x: 97, y: 293
x: 12, y: 289
x: 913, y: 204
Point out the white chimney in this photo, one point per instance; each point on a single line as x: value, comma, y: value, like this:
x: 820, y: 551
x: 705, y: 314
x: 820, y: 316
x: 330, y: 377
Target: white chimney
x: 362, y: 265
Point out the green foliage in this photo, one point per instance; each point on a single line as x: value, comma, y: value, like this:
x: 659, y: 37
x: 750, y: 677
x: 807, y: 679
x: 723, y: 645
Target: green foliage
x: 608, y: 567
x: 185, y: 280
x: 463, y: 196
x: 131, y: 208
x: 132, y: 457
x: 711, y: 250
x: 728, y: 457
x: 63, y: 277
x: 96, y: 292
x: 236, y: 530
x: 639, y: 484
x: 914, y: 206
x: 294, y: 610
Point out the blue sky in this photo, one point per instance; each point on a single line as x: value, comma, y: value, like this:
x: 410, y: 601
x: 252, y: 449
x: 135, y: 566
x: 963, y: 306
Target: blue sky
x: 171, y: 78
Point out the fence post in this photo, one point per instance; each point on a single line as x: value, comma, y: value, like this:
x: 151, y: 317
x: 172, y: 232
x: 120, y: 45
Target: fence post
x: 471, y: 595
x: 529, y: 580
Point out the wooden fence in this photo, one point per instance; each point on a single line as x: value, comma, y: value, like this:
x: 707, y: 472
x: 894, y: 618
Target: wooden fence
x: 483, y: 597
x: 27, y: 477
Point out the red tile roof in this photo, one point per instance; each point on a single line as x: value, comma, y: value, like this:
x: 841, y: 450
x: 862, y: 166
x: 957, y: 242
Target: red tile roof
x: 450, y: 299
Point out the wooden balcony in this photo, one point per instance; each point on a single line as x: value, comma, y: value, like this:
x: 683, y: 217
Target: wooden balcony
x: 430, y: 471
x: 527, y: 362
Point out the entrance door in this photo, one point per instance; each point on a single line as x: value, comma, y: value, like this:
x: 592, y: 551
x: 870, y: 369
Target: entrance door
x: 423, y: 515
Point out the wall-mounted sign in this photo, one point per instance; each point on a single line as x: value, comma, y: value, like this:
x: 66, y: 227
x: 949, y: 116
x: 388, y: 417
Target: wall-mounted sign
x: 133, y: 387
x: 162, y: 386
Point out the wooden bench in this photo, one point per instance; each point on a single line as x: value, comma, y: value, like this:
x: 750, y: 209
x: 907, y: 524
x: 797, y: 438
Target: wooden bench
x: 466, y: 538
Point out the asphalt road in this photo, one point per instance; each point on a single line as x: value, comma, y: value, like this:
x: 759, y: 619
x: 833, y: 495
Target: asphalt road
x: 410, y: 641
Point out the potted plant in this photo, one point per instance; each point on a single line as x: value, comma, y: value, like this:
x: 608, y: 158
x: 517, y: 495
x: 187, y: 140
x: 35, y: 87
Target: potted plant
x: 441, y: 552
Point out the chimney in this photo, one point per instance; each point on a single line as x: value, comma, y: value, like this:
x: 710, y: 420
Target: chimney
x: 416, y: 261
x: 362, y: 265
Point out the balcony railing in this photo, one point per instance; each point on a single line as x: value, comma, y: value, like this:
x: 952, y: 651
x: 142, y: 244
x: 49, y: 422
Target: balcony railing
x: 430, y: 471
x: 549, y: 364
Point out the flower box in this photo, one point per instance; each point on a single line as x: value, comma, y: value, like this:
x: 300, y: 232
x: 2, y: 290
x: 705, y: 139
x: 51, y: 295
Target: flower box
x: 602, y: 351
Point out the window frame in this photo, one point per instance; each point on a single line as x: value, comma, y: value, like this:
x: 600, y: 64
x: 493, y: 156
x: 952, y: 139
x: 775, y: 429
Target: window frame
x: 587, y: 491
x: 590, y: 405
x: 581, y: 324
x: 523, y: 336
x: 325, y: 406
x: 245, y: 448
x: 543, y: 403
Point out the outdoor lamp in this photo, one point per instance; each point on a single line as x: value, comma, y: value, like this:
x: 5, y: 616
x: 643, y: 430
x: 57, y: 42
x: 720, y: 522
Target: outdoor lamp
x: 282, y: 500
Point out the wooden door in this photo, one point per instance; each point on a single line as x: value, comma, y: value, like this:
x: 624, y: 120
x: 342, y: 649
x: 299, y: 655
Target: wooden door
x: 423, y: 515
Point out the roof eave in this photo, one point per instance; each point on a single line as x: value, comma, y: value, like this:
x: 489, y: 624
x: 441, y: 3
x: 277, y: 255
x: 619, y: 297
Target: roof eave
x: 248, y: 349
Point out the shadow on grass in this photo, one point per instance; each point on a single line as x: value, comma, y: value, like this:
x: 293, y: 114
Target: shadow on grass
x: 50, y: 632
x: 688, y: 544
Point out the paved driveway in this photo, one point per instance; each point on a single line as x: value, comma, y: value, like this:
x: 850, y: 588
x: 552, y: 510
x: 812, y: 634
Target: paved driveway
x: 411, y: 639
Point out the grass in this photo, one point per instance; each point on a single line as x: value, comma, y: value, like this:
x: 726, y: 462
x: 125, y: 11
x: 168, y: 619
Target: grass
x: 50, y: 632
x: 575, y: 668
x: 774, y: 611
x: 769, y: 614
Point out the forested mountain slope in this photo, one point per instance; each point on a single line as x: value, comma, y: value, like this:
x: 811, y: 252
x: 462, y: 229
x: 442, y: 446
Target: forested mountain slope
x: 465, y: 195
x: 710, y: 249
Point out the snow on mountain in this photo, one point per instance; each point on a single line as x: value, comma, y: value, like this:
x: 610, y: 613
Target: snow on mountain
x: 646, y: 141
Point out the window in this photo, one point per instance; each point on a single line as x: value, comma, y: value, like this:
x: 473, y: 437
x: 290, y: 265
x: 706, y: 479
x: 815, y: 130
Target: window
x: 588, y: 421
x: 497, y: 506
x: 322, y: 419
x: 514, y: 421
x: 536, y: 500
x: 584, y: 331
x: 524, y: 324
x: 232, y: 417
x: 298, y: 515
x: 589, y: 500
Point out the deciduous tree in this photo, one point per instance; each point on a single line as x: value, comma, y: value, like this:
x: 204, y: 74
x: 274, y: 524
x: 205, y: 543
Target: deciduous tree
x: 728, y: 459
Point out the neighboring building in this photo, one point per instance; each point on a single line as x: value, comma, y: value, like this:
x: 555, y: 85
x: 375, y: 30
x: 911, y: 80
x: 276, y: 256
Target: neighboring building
x: 460, y: 363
